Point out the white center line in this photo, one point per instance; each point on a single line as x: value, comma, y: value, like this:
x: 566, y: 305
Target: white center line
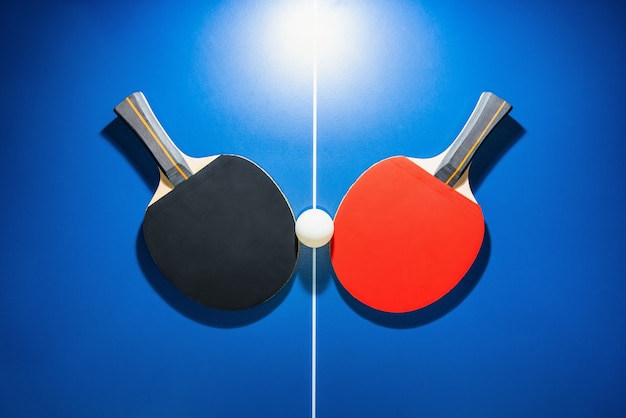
x: 314, y: 252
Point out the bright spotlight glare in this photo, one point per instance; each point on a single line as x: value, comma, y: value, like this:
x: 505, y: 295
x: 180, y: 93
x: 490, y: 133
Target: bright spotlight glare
x: 260, y: 57
x: 338, y: 34
x: 297, y: 34
x: 290, y: 36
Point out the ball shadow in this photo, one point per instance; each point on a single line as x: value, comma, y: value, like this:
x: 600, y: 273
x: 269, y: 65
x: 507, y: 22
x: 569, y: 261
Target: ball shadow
x: 324, y: 271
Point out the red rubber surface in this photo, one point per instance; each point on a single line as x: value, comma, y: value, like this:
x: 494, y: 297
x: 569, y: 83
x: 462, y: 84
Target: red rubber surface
x: 403, y: 239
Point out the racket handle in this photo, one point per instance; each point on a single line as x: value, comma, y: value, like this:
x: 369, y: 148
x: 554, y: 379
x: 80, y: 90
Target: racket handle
x: 136, y: 112
x: 489, y: 110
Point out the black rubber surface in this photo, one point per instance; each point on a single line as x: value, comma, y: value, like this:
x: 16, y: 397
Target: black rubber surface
x: 225, y: 237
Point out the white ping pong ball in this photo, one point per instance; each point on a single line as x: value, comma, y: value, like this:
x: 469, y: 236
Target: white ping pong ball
x: 314, y: 228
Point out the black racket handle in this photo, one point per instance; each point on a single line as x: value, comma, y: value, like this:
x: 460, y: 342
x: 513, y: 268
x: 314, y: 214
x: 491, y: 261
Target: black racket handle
x: 489, y: 110
x: 136, y: 112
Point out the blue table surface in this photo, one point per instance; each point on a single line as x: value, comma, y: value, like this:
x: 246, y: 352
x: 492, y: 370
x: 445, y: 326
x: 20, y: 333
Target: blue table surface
x: 89, y: 326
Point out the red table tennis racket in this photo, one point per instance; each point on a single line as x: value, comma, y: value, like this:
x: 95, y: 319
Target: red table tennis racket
x: 409, y: 229
x: 218, y: 227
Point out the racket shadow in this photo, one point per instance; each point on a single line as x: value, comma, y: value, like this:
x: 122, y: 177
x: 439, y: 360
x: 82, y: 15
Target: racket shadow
x: 195, y: 311
x: 501, y: 140
x: 431, y: 312
x: 125, y: 142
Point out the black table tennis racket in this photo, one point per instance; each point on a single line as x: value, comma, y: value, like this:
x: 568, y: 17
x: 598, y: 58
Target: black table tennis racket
x: 218, y: 228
